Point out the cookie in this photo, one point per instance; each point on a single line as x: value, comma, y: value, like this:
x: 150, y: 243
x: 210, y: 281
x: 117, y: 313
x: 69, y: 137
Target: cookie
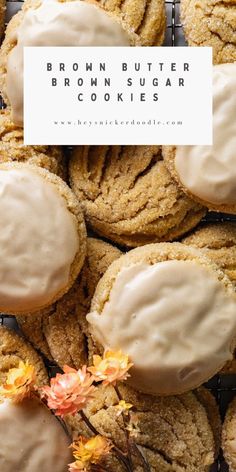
x: 211, y: 23
x: 32, y: 328
x: 43, y: 238
x: 174, y: 432
x: 135, y: 23
x: 60, y: 331
x: 2, y: 16
x: 172, y: 310
x: 14, y: 349
x: 218, y: 241
x: 208, y: 173
x: 128, y: 195
x: 28, y: 427
x: 228, y: 436
x: 206, y: 398
x: 146, y: 19
x: 12, y: 148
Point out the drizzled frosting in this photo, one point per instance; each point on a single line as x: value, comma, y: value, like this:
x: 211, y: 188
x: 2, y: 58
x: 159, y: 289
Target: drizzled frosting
x: 31, y: 439
x: 38, y: 241
x: 55, y: 23
x: 209, y: 172
x: 173, y: 319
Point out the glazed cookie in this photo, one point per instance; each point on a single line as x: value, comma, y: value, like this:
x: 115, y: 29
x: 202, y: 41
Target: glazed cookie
x: 42, y: 239
x: 173, y: 432
x: 129, y: 196
x: 2, y: 16
x: 12, y: 148
x: 40, y: 23
x: 211, y: 23
x: 229, y: 437
x: 172, y: 310
x: 28, y: 427
x: 208, y: 173
x: 218, y: 241
x: 61, y: 331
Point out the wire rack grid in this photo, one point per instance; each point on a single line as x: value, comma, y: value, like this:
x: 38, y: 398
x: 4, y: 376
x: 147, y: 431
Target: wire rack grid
x: 223, y: 387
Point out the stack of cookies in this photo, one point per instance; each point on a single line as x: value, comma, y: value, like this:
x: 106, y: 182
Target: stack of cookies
x: 106, y: 248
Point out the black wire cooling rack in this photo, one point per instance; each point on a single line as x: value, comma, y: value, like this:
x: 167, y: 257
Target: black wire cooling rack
x: 223, y: 387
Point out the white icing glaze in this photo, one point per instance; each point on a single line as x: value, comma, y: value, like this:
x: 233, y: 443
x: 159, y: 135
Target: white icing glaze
x: 74, y: 23
x: 173, y: 319
x: 31, y: 439
x: 38, y: 241
x: 209, y: 172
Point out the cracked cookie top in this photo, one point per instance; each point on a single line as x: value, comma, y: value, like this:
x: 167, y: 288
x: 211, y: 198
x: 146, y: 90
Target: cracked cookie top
x: 175, y: 433
x: 211, y: 23
x: 129, y: 196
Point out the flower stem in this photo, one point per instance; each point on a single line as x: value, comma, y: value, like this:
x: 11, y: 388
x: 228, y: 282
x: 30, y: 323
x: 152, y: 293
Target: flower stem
x: 135, y: 446
x: 142, y: 457
x: 88, y: 423
x: 126, y: 432
x: 117, y: 451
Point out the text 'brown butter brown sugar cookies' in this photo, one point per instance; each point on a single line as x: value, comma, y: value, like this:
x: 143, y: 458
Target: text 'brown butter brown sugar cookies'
x: 26, y: 425
x: 172, y: 310
x: 229, y: 436
x: 2, y: 16
x: 208, y: 173
x: 73, y: 23
x: 174, y: 433
x: 218, y: 241
x: 211, y: 23
x: 42, y: 240
x: 61, y: 331
x: 12, y: 148
x: 129, y: 196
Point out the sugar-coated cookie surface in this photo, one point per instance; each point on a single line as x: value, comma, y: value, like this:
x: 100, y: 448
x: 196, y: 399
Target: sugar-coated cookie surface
x: 211, y: 23
x: 42, y: 241
x: 2, y: 16
x: 208, y: 173
x: 128, y: 195
x: 229, y: 436
x: 14, y: 349
x: 34, y: 432
x: 175, y: 433
x: 12, y: 148
x: 61, y: 330
x: 172, y: 310
x: 218, y: 241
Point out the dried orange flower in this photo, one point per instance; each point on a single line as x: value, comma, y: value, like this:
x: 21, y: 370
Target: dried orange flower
x: 89, y: 451
x: 132, y: 427
x: 110, y: 368
x: 69, y: 392
x: 19, y: 382
x: 123, y: 407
